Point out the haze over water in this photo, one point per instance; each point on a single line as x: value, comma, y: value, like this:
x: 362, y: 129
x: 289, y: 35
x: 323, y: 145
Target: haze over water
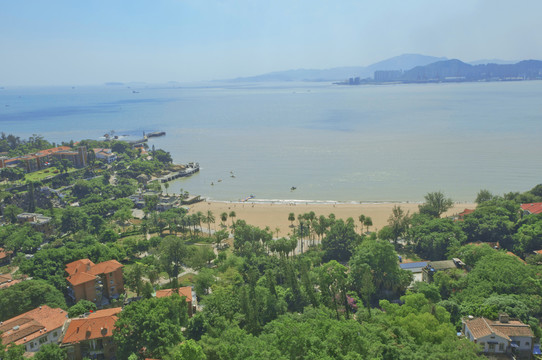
x: 341, y: 143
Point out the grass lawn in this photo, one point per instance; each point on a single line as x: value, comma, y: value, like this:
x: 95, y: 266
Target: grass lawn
x: 42, y: 174
x: 39, y: 175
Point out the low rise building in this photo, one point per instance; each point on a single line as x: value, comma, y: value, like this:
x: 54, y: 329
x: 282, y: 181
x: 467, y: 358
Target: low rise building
x: 5, y: 257
x: 106, y: 155
x: 39, y: 222
x: 433, y: 267
x: 6, y: 280
x: 185, y: 291
x: 504, y: 336
x: 416, y: 268
x: 98, y: 283
x: 35, y: 328
x: 532, y: 208
x: 92, y: 336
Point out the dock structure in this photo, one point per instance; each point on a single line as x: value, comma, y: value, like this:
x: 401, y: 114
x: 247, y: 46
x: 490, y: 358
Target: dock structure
x: 190, y: 169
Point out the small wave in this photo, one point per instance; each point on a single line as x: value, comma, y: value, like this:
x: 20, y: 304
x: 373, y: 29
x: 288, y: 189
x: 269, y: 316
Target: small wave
x: 311, y: 202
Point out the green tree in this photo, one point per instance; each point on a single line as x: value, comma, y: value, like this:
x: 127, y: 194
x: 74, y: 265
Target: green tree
x: 187, y: 350
x: 73, y: 219
x: 435, y: 204
x: 361, y: 219
x: 436, y: 238
x: 361, y: 280
x: 172, y: 252
x: 220, y: 236
x: 11, y: 211
x: 28, y: 295
x: 383, y: 261
x: 133, y: 276
x: 483, y: 196
x: 332, y: 280
x: 14, y: 352
x: 209, y: 219
x: 123, y: 216
x: 81, y: 307
x: 150, y: 326
x: 232, y: 216
x: 528, y: 238
x: 51, y: 352
x: 368, y: 222
x: 340, y: 241
x: 491, y: 222
x: 203, y: 281
x: 291, y: 218
x: 31, y: 197
x: 398, y: 222
x: 471, y: 253
x: 223, y: 218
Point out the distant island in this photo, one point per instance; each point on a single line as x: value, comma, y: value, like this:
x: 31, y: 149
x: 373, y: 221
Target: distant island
x: 411, y: 68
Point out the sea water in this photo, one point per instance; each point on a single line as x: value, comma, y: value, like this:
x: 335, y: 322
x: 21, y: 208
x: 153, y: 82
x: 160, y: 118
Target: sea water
x: 330, y: 142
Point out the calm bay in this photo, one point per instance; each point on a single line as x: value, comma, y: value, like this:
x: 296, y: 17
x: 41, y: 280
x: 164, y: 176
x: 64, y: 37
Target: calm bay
x: 333, y: 143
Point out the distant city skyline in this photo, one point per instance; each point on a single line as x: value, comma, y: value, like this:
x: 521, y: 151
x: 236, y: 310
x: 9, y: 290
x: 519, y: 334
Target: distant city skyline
x: 62, y: 42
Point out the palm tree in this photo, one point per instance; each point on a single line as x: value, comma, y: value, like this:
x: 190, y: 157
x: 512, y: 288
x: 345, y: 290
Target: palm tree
x: 362, y: 221
x: 166, y: 185
x: 200, y: 218
x: 232, y: 215
x: 291, y: 217
x: 210, y: 218
x: 223, y: 218
x: 368, y: 222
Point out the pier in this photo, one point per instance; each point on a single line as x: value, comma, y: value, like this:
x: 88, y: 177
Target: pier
x: 190, y: 169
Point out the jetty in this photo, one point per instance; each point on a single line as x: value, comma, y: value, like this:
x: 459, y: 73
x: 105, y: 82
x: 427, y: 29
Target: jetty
x: 190, y: 169
x: 156, y: 134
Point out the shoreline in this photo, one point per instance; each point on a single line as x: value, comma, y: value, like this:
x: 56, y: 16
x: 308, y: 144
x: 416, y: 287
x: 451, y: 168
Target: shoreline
x: 274, y: 213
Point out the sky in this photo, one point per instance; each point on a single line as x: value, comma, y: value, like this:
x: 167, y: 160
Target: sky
x: 67, y: 42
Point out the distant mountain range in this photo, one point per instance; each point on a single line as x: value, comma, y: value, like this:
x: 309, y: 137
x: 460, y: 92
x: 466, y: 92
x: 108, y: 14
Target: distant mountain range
x: 407, y: 65
x: 456, y: 70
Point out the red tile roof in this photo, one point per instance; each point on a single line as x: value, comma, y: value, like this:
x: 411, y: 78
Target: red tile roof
x: 4, y: 254
x: 80, y: 278
x: 480, y: 327
x: 52, y: 150
x: 32, y: 325
x: 82, y: 271
x: 105, y: 267
x: 10, y: 283
x: 183, y: 291
x: 533, y: 208
x: 466, y: 212
x: 96, y: 326
x: 5, y: 278
x: 77, y: 266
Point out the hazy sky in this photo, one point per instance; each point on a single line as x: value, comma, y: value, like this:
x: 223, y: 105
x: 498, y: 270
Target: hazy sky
x: 96, y: 41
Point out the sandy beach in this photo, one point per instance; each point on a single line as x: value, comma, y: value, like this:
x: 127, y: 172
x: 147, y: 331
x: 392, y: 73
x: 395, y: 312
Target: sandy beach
x: 275, y: 215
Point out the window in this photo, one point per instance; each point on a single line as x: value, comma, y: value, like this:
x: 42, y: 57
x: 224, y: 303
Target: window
x: 43, y: 340
x: 519, y: 343
x: 55, y: 334
x: 491, y: 346
x: 501, y: 347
